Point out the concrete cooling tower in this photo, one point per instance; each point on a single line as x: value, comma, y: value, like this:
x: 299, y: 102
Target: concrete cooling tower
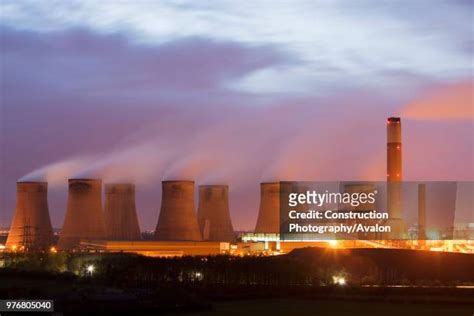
x: 121, y: 222
x: 269, y: 214
x: 84, y: 217
x: 177, y: 220
x: 213, y: 213
x: 31, y: 227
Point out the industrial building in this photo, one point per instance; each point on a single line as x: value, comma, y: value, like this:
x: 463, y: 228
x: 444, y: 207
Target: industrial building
x: 158, y: 248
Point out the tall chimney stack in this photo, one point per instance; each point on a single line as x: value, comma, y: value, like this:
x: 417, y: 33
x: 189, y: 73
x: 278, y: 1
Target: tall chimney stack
x: 269, y: 213
x: 394, y: 149
x: 31, y: 227
x: 177, y: 220
x: 84, y: 216
x: 213, y: 213
x: 121, y: 222
x: 394, y: 176
x: 421, y: 211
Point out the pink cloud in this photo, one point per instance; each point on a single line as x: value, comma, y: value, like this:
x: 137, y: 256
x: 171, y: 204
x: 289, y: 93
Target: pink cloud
x: 446, y: 102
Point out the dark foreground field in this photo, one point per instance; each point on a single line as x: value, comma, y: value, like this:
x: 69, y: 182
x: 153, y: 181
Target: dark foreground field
x: 286, y: 307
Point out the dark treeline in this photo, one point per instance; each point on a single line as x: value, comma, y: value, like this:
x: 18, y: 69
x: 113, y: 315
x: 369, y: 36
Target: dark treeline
x: 308, y: 266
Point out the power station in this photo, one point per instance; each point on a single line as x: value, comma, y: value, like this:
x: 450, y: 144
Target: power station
x: 31, y: 228
x: 84, y: 216
x: 180, y: 231
x: 121, y: 222
x: 177, y: 220
x: 213, y: 213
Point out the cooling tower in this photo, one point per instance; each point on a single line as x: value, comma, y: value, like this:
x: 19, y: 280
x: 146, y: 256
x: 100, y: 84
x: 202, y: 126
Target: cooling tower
x: 177, y: 220
x: 121, y: 222
x: 31, y: 227
x: 269, y: 213
x: 213, y: 213
x: 84, y: 217
x: 394, y: 176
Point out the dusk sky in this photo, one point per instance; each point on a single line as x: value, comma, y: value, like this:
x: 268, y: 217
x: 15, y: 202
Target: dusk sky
x: 235, y: 92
